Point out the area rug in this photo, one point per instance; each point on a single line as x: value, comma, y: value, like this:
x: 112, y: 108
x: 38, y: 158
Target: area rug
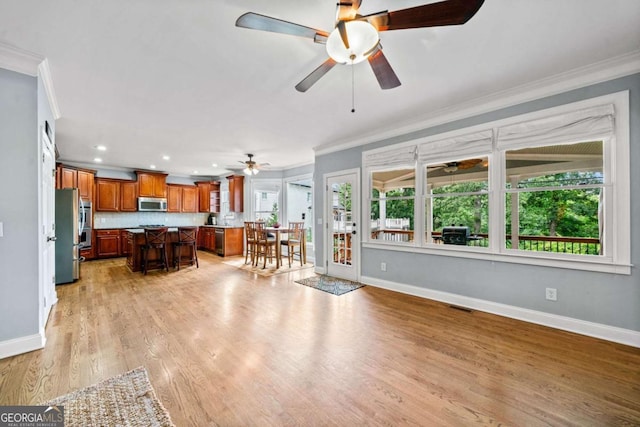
x: 125, y: 400
x: 330, y: 284
x: 270, y: 269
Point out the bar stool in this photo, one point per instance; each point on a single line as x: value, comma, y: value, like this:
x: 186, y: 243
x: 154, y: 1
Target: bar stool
x: 295, y: 239
x: 250, y: 241
x: 265, y: 245
x: 187, y: 237
x: 155, y: 239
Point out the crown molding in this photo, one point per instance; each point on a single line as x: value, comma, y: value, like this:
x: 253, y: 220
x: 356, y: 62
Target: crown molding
x: 47, y: 81
x: 25, y: 62
x: 598, y: 72
x: 19, y: 60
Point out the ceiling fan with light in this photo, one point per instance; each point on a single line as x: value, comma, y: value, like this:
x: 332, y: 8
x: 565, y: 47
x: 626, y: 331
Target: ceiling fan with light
x: 451, y: 167
x: 355, y: 37
x: 251, y: 166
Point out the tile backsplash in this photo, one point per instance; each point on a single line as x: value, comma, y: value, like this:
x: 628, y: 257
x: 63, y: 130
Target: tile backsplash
x: 135, y: 219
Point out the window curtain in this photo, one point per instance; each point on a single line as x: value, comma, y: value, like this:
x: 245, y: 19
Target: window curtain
x: 456, y: 148
x: 581, y: 125
x: 397, y: 156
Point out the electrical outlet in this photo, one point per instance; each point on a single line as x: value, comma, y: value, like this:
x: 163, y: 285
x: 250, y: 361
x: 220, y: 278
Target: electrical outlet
x: 383, y: 266
x: 551, y: 294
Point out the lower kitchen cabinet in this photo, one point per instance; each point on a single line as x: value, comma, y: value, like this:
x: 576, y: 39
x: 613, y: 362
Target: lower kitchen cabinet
x: 108, y: 243
x: 225, y: 241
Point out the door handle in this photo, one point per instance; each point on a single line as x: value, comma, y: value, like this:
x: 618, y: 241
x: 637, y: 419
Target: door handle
x: 51, y: 238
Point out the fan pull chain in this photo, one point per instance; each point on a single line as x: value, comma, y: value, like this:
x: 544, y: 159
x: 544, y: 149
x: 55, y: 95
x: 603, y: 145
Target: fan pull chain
x: 353, y: 88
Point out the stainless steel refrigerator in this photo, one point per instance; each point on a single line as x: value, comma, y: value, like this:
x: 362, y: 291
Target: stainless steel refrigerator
x: 67, y: 228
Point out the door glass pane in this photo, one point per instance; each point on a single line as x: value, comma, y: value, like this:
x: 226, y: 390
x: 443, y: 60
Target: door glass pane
x: 342, y: 223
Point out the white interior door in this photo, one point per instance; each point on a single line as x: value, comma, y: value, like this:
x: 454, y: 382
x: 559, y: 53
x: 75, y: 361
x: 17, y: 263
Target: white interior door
x: 343, y: 225
x: 47, y: 218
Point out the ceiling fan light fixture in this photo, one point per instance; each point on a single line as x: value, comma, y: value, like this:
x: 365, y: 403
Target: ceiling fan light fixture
x: 363, y: 38
x: 250, y: 170
x: 450, y: 168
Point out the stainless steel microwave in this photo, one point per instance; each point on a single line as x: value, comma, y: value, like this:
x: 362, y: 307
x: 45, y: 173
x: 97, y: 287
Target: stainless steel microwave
x: 152, y: 204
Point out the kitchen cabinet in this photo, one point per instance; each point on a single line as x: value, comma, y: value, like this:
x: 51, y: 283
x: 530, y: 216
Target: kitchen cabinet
x: 68, y: 177
x: 152, y: 184
x: 236, y: 193
x: 82, y: 179
x: 209, y: 196
x: 85, y: 185
x: 107, y: 195
x: 128, y: 196
x: 88, y: 254
x: 224, y: 241
x: 182, y: 198
x: 107, y: 243
x: 124, y: 243
x: 174, y: 198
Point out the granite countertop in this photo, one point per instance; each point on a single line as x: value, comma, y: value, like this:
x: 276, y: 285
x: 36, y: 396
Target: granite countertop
x: 141, y: 230
x: 222, y: 226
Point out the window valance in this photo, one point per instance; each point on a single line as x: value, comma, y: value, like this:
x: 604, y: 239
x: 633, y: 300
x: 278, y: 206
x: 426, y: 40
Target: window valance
x: 395, y: 156
x: 596, y: 122
x: 468, y: 145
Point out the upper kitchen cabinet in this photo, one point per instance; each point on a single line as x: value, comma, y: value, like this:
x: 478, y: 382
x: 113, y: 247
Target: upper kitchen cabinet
x: 107, y: 195
x: 152, y: 184
x: 182, y: 198
x: 128, y: 196
x: 70, y: 177
x: 209, y: 196
x: 236, y: 193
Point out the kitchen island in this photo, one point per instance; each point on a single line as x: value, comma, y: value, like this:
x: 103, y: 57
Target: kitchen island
x: 222, y: 240
x: 135, y: 241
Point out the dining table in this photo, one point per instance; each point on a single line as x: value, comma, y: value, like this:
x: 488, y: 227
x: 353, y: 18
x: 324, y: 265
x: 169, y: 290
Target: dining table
x: 277, y: 232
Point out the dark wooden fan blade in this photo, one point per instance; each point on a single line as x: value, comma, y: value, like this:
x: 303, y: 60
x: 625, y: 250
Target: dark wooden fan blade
x: 449, y: 12
x: 382, y: 69
x: 315, y: 75
x: 342, y: 29
x: 255, y: 21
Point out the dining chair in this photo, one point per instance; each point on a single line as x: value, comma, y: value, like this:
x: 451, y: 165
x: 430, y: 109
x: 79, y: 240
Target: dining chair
x: 295, y: 239
x: 187, y: 238
x: 265, y: 244
x: 155, y: 239
x: 250, y: 241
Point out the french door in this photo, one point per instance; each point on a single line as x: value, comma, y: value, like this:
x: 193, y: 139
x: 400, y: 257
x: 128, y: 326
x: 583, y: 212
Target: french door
x: 343, y: 225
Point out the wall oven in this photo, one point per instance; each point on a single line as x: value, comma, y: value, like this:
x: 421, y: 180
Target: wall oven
x: 85, y: 224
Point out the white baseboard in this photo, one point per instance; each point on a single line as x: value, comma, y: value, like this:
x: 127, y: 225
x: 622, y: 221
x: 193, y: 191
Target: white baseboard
x: 596, y: 330
x: 319, y: 270
x: 21, y: 345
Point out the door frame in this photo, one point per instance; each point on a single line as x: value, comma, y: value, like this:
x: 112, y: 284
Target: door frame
x: 356, y: 247
x: 46, y: 276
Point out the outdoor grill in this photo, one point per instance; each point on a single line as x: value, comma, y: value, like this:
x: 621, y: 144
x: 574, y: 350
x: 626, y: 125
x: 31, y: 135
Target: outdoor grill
x: 455, y: 235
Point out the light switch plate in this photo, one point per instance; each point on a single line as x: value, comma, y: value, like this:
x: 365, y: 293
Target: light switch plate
x: 1, y: 230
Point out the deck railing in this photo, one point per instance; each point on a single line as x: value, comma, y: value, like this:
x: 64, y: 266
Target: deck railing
x: 569, y: 245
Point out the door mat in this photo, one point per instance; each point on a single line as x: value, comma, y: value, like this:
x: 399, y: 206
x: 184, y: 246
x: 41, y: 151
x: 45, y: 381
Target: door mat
x: 125, y: 400
x: 330, y: 284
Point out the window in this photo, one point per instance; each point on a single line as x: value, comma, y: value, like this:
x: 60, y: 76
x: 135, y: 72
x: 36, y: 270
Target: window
x: 457, y: 202
x: 554, y: 198
x: 546, y: 188
x: 393, y: 205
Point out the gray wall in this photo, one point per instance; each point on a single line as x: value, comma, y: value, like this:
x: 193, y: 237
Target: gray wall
x: 607, y: 299
x: 18, y: 205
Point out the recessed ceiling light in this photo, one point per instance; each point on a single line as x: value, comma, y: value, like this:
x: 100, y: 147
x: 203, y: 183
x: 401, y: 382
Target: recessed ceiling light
x: 152, y: 166
x: 195, y: 172
x: 215, y: 165
x: 101, y: 148
x: 165, y: 157
x: 97, y: 160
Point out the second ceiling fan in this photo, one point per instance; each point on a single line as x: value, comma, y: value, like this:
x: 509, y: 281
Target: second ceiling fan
x: 355, y: 37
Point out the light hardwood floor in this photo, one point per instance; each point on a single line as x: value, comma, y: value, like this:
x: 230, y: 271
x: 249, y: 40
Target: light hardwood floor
x: 226, y: 347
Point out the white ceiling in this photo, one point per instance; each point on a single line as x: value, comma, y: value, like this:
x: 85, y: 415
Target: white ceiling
x: 148, y: 78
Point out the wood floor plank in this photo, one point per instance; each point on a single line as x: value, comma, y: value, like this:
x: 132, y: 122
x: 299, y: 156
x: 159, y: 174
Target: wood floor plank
x: 228, y: 347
